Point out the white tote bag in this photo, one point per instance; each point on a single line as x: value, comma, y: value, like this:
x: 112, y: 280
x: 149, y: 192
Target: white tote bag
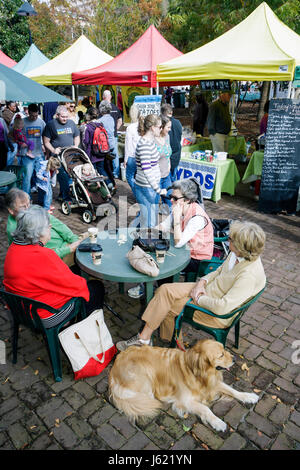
x: 88, y: 345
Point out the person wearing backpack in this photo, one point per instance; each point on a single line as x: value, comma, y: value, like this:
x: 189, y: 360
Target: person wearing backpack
x: 98, y: 159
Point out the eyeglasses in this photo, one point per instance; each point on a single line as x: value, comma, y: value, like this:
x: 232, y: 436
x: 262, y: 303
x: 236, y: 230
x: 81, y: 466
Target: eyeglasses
x: 72, y: 106
x: 176, y: 198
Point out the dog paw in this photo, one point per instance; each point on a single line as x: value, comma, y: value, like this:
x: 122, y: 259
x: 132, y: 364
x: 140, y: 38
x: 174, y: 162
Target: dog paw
x: 250, y: 398
x: 218, y: 424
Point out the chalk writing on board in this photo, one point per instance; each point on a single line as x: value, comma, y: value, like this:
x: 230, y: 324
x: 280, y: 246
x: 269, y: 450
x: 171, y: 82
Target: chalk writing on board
x: 281, y: 166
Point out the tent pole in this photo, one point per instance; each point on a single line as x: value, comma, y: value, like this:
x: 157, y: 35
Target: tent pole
x: 157, y: 88
x: 290, y: 90
x: 73, y: 93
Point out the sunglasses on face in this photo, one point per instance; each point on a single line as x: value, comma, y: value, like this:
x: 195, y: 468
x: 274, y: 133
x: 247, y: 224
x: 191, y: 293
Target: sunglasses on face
x: 176, y: 198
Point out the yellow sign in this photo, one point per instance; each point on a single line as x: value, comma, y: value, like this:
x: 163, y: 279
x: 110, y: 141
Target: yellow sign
x: 128, y: 95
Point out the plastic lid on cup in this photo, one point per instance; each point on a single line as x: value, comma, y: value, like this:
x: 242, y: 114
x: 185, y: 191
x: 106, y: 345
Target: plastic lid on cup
x: 96, y: 247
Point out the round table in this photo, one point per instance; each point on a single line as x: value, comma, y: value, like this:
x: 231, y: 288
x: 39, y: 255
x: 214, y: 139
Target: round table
x: 7, y: 179
x: 115, y: 265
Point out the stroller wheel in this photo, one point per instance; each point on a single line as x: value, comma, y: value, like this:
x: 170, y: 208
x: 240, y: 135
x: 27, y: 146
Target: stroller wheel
x: 87, y: 217
x: 65, y: 207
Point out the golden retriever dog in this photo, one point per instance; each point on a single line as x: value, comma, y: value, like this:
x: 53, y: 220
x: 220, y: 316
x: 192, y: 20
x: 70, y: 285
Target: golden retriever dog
x: 142, y: 378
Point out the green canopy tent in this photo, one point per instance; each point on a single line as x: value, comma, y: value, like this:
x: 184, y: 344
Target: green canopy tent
x: 16, y: 87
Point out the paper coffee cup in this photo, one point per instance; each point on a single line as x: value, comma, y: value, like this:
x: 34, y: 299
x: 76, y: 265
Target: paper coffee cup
x: 160, y: 252
x: 96, y: 254
x: 93, y: 233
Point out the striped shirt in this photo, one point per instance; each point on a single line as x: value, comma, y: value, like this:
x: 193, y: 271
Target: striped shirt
x: 148, y: 172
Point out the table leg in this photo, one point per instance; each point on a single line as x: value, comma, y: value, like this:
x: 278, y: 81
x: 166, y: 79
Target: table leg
x: 149, y: 291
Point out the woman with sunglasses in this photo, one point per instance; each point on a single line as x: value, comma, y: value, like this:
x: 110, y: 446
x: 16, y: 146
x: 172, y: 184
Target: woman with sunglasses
x: 190, y: 223
x: 72, y: 112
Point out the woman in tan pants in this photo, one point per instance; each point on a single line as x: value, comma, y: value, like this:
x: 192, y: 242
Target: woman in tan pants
x: 238, y: 279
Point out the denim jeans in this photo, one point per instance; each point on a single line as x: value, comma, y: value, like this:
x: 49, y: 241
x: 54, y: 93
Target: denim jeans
x: 64, y: 184
x: 11, y: 154
x: 130, y: 173
x: 165, y: 183
x: 173, y: 174
x: 148, y: 201
x: 45, y: 197
x: 30, y: 165
x: 116, y: 161
x: 103, y: 167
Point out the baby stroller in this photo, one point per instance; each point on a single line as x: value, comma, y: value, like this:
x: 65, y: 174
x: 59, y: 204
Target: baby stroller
x: 94, y: 203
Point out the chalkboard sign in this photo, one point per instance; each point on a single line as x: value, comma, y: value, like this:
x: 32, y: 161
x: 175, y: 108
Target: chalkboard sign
x: 215, y: 85
x: 281, y: 166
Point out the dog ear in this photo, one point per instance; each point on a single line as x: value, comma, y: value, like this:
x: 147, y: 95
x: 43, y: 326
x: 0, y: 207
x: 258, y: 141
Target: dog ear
x: 197, y: 360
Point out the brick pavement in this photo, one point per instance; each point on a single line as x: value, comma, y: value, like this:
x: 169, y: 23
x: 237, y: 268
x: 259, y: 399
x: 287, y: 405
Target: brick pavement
x: 37, y: 413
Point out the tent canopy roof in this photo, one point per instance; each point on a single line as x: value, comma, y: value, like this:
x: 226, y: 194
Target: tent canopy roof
x: 15, y: 86
x: 81, y: 55
x: 261, y: 47
x: 32, y: 59
x: 134, y: 66
x: 5, y: 60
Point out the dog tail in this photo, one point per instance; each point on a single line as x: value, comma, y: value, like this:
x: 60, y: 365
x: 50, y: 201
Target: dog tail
x: 140, y: 405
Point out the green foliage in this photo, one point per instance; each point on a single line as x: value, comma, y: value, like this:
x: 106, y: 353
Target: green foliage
x: 197, y: 22
x: 14, y: 31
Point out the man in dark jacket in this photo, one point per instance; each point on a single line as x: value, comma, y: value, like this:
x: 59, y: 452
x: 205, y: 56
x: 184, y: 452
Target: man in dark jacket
x: 219, y: 122
x: 175, y: 138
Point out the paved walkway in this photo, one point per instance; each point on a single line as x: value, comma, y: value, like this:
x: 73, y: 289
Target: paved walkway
x: 37, y: 413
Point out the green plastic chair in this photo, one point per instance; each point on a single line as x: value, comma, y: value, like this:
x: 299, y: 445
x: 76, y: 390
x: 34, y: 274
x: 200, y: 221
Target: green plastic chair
x: 220, y: 334
x: 207, y: 266
x: 19, y: 171
x: 24, y: 312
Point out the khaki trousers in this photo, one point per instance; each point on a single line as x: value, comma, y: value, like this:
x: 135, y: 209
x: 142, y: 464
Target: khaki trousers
x: 219, y: 142
x: 166, y: 305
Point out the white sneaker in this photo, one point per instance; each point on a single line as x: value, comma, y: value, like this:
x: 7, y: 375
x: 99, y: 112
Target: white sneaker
x: 134, y: 341
x: 136, y: 292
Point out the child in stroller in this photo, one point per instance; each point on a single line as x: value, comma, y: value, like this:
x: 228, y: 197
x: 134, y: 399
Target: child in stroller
x: 89, y: 190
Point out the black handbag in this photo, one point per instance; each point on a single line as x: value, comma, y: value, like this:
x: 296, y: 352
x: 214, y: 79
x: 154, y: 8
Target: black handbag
x: 148, y: 240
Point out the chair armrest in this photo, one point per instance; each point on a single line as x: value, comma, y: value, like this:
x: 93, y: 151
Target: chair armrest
x: 208, y: 312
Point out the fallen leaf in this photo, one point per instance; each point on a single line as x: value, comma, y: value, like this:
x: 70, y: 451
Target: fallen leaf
x: 256, y: 390
x: 53, y: 394
x: 36, y: 372
x: 194, y: 436
x: 25, y: 367
x: 51, y: 433
x: 259, y: 433
x: 245, y: 367
x: 32, y: 427
x: 186, y: 415
x: 279, y: 401
x: 274, y: 397
x: 186, y: 428
x: 204, y: 446
x: 57, y: 420
x: 278, y: 388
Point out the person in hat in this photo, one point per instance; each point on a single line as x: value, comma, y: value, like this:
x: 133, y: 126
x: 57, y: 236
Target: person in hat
x: 219, y: 122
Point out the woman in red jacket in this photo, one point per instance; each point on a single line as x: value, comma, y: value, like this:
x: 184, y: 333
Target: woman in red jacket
x: 34, y: 271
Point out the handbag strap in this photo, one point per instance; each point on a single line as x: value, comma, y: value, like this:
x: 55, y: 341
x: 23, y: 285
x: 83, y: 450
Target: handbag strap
x: 87, y: 347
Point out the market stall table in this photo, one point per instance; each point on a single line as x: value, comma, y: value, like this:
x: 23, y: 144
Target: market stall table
x: 226, y: 179
x: 115, y: 265
x: 236, y: 145
x: 254, y: 169
x: 7, y: 179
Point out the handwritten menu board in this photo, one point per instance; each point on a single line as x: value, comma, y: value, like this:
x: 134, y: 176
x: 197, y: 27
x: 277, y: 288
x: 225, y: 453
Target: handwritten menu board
x: 280, y: 179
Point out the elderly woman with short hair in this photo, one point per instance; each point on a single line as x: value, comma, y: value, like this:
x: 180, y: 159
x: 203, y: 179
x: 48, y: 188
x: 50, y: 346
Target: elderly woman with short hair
x: 235, y: 282
x: 34, y: 271
x: 191, y: 224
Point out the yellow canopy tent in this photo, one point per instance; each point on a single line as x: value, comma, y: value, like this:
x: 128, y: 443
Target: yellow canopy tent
x: 82, y: 55
x: 259, y: 48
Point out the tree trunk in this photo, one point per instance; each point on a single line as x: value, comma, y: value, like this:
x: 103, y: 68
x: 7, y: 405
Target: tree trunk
x: 264, y: 98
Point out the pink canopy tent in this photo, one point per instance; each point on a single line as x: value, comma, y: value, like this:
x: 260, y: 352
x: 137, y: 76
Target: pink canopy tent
x: 135, y: 66
x: 5, y: 60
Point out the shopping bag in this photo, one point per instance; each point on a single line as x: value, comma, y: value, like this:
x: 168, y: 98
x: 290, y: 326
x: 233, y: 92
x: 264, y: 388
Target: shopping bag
x: 88, y: 345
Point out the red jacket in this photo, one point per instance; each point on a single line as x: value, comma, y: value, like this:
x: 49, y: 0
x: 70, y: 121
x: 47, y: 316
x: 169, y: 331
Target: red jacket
x: 38, y: 272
